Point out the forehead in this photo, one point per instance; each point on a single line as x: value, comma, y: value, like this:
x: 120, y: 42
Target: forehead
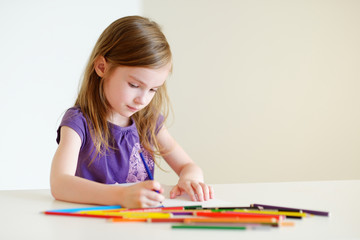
x: 148, y: 76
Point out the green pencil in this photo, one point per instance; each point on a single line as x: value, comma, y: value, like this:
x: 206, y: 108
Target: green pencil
x: 184, y: 226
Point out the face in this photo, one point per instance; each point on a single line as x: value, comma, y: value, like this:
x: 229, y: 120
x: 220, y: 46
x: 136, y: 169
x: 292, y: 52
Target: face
x: 130, y: 89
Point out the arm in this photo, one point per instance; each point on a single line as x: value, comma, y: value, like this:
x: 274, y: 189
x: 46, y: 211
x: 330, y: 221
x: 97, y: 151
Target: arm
x: 66, y: 186
x: 191, y: 179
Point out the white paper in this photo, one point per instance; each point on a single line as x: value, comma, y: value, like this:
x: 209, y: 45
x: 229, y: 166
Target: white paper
x: 184, y: 200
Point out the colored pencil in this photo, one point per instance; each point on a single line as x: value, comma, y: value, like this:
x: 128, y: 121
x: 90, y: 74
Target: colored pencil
x: 314, y: 212
x: 228, y: 208
x: 146, y: 166
x: 71, y: 210
x: 149, y: 220
x: 233, y: 220
x: 193, y: 207
x: 287, y: 214
x: 79, y: 214
x: 126, y: 212
x: 187, y: 226
x: 227, y: 225
x: 128, y: 220
x: 157, y: 209
x: 252, y: 222
x: 224, y: 209
x: 182, y: 213
x: 165, y: 220
x: 132, y: 214
x: 237, y: 215
x: 232, y: 224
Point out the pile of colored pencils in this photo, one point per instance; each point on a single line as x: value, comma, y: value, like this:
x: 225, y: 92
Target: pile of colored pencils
x: 252, y: 217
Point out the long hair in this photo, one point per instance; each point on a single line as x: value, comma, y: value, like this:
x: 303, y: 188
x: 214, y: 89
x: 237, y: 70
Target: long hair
x: 129, y: 41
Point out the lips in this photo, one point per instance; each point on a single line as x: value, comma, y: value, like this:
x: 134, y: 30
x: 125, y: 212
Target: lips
x: 132, y: 109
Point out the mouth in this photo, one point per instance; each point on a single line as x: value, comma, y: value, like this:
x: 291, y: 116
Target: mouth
x: 132, y: 109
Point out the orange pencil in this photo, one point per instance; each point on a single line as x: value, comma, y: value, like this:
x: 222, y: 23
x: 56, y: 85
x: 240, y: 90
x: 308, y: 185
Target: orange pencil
x: 128, y: 219
x: 236, y: 215
x: 232, y: 220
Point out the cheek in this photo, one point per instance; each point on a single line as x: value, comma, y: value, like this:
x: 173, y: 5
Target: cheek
x: 149, y: 98
x: 112, y: 93
x: 106, y: 91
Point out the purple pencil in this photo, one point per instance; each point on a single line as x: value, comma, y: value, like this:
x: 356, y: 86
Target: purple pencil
x: 314, y: 212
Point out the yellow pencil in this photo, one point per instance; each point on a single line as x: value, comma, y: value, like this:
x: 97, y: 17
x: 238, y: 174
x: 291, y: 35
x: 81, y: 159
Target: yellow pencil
x: 131, y: 214
x: 290, y: 214
x: 105, y: 211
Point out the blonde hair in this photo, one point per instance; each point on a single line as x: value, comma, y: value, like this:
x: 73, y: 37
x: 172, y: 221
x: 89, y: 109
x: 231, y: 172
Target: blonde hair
x: 129, y: 41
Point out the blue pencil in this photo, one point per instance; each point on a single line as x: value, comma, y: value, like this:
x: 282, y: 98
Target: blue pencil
x: 73, y: 210
x: 146, y: 166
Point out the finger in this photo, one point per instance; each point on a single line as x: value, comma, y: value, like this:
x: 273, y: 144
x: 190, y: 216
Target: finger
x: 154, y: 196
x: 153, y: 185
x: 190, y: 191
x: 198, y: 190
x: 211, y: 192
x: 187, y: 188
x: 205, y: 189
x: 147, y: 202
x: 175, y: 191
x: 161, y: 191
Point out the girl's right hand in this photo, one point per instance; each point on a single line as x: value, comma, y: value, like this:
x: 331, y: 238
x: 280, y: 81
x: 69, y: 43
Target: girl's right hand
x: 142, y: 195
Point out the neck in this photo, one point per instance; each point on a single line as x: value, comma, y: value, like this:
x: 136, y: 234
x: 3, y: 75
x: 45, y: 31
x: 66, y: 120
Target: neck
x: 119, y: 120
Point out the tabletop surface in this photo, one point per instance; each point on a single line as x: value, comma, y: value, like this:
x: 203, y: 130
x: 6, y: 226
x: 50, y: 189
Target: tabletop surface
x: 22, y: 216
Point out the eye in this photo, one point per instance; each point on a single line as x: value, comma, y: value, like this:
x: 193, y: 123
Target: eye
x: 133, y: 85
x: 153, y: 90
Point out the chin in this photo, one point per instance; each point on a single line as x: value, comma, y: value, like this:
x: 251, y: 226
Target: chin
x: 129, y: 114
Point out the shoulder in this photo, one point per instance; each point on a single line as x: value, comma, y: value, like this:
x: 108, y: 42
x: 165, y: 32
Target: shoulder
x: 74, y: 116
x: 73, y: 113
x: 74, y: 119
x: 159, y: 123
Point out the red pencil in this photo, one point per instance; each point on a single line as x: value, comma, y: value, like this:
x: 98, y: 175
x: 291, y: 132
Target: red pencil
x: 149, y: 220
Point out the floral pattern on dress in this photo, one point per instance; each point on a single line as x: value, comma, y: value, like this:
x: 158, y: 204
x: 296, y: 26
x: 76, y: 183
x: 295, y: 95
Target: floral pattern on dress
x: 137, y: 171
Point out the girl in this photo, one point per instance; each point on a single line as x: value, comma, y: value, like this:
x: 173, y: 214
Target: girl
x: 120, y: 111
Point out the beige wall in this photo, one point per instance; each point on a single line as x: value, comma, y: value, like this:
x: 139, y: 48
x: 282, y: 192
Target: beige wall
x: 265, y: 90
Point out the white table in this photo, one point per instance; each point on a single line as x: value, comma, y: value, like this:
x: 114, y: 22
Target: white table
x: 21, y: 216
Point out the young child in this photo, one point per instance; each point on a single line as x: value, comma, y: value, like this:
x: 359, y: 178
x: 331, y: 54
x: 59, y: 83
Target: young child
x: 120, y: 111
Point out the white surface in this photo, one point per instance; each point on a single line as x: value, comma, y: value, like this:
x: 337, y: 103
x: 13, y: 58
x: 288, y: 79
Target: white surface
x: 21, y: 217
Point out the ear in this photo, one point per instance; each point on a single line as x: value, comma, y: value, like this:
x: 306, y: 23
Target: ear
x: 100, y: 66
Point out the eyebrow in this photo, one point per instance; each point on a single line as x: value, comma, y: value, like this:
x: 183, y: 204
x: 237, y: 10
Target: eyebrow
x: 141, y: 82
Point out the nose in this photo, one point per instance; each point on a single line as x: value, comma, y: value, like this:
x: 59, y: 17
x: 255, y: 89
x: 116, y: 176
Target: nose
x: 140, y: 99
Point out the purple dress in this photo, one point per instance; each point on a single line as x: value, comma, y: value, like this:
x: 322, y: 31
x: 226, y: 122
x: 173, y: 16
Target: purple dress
x: 120, y: 164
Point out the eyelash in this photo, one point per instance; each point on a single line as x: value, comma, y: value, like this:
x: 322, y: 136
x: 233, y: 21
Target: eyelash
x: 135, y: 86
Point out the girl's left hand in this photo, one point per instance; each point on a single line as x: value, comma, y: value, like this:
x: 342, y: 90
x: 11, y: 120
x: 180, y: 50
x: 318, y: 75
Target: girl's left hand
x: 198, y: 191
